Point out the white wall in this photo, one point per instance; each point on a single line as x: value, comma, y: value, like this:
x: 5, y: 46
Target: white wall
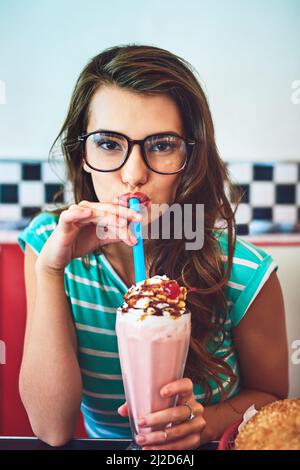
x: 246, y: 52
x: 288, y: 259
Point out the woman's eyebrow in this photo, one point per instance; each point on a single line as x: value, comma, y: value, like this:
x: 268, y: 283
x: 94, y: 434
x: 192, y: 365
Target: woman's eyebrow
x: 106, y: 129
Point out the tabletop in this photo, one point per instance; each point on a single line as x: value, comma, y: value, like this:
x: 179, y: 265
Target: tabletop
x: 32, y: 443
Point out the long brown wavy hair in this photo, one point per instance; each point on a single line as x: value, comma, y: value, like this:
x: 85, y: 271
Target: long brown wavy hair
x: 151, y: 70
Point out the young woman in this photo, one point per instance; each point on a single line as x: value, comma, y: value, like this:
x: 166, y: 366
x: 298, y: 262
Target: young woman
x: 130, y: 107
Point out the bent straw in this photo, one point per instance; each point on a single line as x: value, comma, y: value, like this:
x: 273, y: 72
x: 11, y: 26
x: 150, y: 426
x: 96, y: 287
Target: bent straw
x: 138, y: 248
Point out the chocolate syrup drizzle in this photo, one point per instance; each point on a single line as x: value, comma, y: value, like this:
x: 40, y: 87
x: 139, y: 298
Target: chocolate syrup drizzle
x: 159, y: 301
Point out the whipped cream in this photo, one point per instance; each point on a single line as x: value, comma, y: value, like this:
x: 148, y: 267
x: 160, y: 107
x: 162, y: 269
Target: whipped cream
x: 157, y: 296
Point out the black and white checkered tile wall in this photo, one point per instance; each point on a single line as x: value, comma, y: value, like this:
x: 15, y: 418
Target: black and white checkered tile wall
x: 26, y: 188
x: 271, y: 201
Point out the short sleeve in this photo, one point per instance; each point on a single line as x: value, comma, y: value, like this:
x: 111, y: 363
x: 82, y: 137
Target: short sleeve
x: 251, y: 269
x: 38, y: 231
x: 36, y: 235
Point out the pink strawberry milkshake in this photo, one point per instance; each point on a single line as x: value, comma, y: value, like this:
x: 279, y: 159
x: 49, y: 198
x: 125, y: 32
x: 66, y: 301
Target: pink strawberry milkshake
x: 153, y: 329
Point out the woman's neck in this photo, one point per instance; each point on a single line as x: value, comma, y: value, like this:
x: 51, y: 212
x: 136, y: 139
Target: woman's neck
x: 121, y: 258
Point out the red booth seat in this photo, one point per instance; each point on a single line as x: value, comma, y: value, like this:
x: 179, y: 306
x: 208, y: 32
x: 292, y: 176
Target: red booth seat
x: 13, y: 417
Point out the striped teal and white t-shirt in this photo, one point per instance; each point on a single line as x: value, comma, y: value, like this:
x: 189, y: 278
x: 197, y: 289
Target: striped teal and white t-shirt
x: 94, y: 296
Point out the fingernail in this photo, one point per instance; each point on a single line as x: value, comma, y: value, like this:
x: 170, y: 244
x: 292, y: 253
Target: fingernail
x: 165, y: 392
x: 86, y: 211
x: 133, y: 240
x: 141, y: 439
x: 137, y: 216
x: 141, y: 422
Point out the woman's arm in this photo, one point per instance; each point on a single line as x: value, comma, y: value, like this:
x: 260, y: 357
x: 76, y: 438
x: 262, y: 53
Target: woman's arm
x: 50, y: 380
x: 261, y: 343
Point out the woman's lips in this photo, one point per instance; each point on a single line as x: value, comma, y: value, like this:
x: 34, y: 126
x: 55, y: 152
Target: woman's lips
x: 124, y: 198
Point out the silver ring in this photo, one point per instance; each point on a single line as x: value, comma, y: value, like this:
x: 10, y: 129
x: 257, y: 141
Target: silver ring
x: 192, y: 416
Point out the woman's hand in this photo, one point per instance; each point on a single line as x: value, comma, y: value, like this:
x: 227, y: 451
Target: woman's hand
x: 184, y: 433
x: 76, y: 233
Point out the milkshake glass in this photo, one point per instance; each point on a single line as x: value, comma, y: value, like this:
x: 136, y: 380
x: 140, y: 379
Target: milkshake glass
x: 153, y: 329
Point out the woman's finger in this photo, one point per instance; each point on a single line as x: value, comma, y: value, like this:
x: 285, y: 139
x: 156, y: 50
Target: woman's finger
x: 120, y: 211
x: 189, y: 442
x: 105, y: 218
x: 182, y: 387
x: 105, y: 231
x: 176, y: 414
x: 173, y: 433
x: 72, y: 215
x: 109, y: 226
x: 123, y: 410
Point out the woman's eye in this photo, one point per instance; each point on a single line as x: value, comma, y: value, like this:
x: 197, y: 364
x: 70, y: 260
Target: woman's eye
x: 161, y: 146
x: 108, y: 145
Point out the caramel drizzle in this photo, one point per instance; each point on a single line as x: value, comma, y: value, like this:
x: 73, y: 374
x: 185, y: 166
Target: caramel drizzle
x: 157, y: 295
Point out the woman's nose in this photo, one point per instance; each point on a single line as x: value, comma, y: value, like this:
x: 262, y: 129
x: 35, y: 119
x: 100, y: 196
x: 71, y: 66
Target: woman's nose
x: 135, y: 172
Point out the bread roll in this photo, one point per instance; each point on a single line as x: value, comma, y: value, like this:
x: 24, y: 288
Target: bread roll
x: 276, y: 426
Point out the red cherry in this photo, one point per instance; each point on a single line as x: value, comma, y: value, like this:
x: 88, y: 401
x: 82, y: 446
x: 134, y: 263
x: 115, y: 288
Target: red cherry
x: 172, y: 289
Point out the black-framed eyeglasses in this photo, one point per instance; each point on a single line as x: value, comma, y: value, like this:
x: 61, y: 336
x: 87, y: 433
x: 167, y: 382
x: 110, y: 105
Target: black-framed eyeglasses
x: 164, y: 153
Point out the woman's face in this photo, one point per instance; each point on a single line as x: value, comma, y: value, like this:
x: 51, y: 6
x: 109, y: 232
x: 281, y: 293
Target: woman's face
x: 137, y: 116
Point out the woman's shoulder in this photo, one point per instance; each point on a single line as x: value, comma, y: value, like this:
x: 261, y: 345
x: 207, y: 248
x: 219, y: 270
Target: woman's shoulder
x: 43, y: 220
x: 38, y: 231
x: 251, y: 268
x: 243, y: 249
